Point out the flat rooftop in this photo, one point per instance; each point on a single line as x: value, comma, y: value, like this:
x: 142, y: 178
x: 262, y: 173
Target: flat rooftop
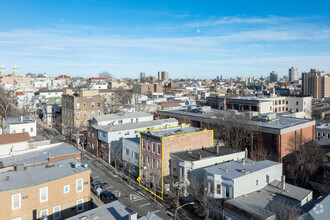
x: 206, y: 152
x: 36, y: 175
x: 237, y: 169
x: 171, y: 131
x: 40, y: 155
x: 259, y: 203
x: 131, y: 126
x: 113, y: 117
x: 282, y: 122
x: 111, y: 211
x: 19, y: 120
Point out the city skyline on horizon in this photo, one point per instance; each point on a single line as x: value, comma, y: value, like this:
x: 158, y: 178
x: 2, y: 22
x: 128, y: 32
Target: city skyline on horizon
x: 84, y: 38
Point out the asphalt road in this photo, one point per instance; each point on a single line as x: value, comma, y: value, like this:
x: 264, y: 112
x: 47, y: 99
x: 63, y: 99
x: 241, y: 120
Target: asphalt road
x: 133, y: 198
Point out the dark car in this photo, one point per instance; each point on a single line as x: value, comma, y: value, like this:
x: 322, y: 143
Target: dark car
x: 107, y: 197
x: 96, y: 187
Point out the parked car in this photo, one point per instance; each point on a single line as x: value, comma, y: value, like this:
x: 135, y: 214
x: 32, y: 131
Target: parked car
x: 107, y: 197
x: 97, y: 187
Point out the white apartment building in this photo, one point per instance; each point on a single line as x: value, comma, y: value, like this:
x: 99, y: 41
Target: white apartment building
x: 11, y: 143
x: 122, y: 118
x: 13, y: 125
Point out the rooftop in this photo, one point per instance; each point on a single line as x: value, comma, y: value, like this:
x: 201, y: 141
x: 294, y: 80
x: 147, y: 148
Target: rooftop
x: 113, y: 117
x: 259, y: 203
x: 111, y: 211
x: 236, y: 168
x: 19, y: 120
x: 282, y: 122
x: 14, y: 138
x: 131, y: 126
x: 165, y: 132
x: 36, y: 175
x: 206, y: 152
x: 39, y: 155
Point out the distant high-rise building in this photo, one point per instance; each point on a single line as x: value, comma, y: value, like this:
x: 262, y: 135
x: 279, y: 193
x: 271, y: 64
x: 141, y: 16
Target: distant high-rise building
x: 221, y: 77
x: 316, y: 84
x: 293, y: 74
x: 142, y: 75
x: 2, y: 72
x: 163, y: 75
x: 273, y: 76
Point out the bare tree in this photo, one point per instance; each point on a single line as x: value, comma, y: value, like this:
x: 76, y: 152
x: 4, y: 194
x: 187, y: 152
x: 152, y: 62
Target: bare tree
x: 106, y: 75
x: 305, y: 159
x: 234, y: 130
x: 324, y: 188
x: 5, y: 103
x: 283, y: 210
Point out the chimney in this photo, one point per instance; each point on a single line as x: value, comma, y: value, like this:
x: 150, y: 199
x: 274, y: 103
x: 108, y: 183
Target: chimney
x: 283, y: 183
x: 133, y: 216
x: 199, y: 156
x: 243, y: 161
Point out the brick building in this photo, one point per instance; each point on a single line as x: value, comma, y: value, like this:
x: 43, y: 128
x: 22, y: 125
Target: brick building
x: 316, y: 83
x: 146, y: 89
x: 78, y: 108
x: 58, y: 190
x: 156, y: 146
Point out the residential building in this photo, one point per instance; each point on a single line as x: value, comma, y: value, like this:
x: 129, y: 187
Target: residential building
x: 188, y: 165
x: 64, y: 80
x: 113, y: 211
x: 322, y: 131
x: 36, y: 156
x: 46, y: 94
x: 248, y: 189
x: 121, y: 118
x: 273, y: 76
x: 156, y: 146
x: 77, y: 109
x: 10, y: 143
x: 60, y: 190
x: 163, y: 75
x: 148, y: 89
x: 316, y: 84
x: 13, y: 125
x: 293, y: 74
x: 131, y: 155
x: 105, y: 141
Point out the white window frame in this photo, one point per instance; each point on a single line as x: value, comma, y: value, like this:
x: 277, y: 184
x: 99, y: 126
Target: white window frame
x: 42, y: 211
x: 82, y: 185
x: 153, y: 147
x: 19, y: 201
x: 66, y: 191
x: 40, y: 194
x: 148, y: 145
x: 54, y: 212
x: 78, y: 204
x: 158, y: 148
x: 17, y: 218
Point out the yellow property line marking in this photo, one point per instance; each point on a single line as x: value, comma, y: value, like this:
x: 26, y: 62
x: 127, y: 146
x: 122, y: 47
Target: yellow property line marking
x: 140, y: 156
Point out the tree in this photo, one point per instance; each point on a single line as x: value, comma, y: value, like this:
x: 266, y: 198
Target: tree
x: 305, y: 159
x: 234, y: 130
x: 106, y: 75
x: 283, y: 210
x: 5, y: 103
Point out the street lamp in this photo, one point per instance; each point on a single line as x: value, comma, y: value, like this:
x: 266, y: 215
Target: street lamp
x: 176, y: 210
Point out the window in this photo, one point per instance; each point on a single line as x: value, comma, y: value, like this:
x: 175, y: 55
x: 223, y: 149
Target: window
x: 126, y: 151
x: 142, y: 159
x: 153, y: 147
x: 181, y: 172
x: 44, y: 194
x: 99, y: 112
x: 131, y: 120
x: 148, y: 145
x: 148, y: 160
x: 279, y: 102
x: 158, y: 146
x: 257, y: 182
x: 78, y: 106
x: 66, y: 188
x: 328, y: 136
x: 78, y: 114
x: 93, y: 113
x: 57, y: 212
x: 80, y: 205
x: 85, y: 104
x: 99, y: 104
x: 219, y: 189
x: 93, y: 104
x: 287, y: 102
x: 120, y: 121
x: 31, y: 130
x: 23, y: 130
x: 159, y: 164
x: 93, y: 135
x: 89, y: 134
x: 318, y: 134
x: 153, y: 163
x: 296, y: 110
x: 135, y: 155
x: 85, y: 114
x: 16, y: 201
x: 79, y: 185
x: 143, y: 144
x: 297, y: 103
x: 323, y: 134
x: 137, y: 120
x: 227, y: 191
x: 44, y: 214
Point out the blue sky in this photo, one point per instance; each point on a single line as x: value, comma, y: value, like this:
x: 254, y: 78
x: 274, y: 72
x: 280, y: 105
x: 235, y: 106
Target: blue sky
x: 200, y: 39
